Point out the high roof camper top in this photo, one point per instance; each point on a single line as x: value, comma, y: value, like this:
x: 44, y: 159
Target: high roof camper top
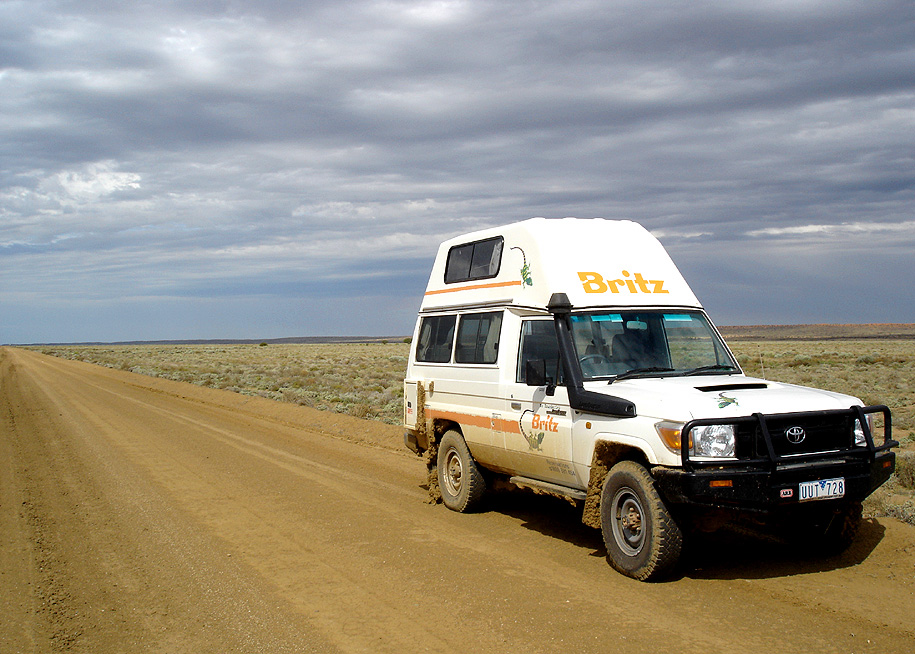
x: 595, y: 262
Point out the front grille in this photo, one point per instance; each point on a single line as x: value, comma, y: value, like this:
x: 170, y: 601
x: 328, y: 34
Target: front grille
x: 763, y: 440
x: 793, y: 435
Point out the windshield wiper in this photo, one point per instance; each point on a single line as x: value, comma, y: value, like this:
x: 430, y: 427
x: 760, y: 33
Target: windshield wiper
x: 701, y: 370
x: 636, y: 372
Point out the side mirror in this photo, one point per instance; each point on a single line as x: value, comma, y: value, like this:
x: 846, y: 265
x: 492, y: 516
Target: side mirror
x: 535, y: 373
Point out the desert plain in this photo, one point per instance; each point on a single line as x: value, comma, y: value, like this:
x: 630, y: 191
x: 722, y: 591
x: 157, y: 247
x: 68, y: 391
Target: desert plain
x: 258, y: 498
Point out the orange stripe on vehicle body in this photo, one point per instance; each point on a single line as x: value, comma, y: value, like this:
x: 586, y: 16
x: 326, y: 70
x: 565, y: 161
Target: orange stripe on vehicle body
x: 474, y: 287
x: 483, y: 422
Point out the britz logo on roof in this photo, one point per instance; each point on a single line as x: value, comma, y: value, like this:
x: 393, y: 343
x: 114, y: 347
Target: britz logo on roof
x: 594, y: 282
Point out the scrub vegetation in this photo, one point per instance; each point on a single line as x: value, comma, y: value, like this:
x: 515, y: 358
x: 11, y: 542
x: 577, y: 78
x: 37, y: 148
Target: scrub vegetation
x: 365, y: 380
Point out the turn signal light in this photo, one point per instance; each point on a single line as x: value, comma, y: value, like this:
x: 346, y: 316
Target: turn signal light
x: 670, y: 432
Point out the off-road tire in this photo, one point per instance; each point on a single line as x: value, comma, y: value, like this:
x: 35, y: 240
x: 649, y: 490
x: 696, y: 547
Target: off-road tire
x: 459, y: 478
x: 643, y: 540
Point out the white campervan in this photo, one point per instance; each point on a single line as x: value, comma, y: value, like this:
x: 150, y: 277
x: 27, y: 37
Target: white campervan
x: 571, y: 357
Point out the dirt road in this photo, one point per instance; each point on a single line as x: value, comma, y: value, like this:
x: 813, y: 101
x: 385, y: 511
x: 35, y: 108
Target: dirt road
x: 144, y: 515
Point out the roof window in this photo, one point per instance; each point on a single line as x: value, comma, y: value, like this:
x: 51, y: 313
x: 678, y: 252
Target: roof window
x: 477, y: 260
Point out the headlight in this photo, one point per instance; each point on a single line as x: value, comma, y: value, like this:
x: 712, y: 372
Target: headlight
x: 712, y: 440
x: 708, y: 440
x: 860, y: 440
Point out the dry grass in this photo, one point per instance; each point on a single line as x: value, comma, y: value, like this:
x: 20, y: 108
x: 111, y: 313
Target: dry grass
x: 366, y: 380
x: 819, y: 332
x: 362, y: 380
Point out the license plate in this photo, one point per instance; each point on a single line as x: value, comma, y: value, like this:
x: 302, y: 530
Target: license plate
x: 824, y: 489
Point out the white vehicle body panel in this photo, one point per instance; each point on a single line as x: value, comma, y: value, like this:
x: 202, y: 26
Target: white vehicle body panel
x: 596, y: 262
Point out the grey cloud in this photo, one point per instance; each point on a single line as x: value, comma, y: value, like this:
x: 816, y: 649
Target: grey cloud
x: 179, y: 149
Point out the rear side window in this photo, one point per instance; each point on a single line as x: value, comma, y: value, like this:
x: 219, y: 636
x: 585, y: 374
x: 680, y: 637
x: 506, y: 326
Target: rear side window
x: 436, y: 335
x: 478, y: 338
x: 477, y: 260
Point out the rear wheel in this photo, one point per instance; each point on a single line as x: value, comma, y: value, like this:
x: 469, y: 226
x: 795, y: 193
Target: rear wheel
x: 459, y: 478
x: 643, y: 541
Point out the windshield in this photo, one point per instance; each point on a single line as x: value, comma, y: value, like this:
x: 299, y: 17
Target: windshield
x: 614, y: 345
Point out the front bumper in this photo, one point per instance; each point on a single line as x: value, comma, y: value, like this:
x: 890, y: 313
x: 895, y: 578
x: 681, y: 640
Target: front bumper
x: 766, y: 489
x: 767, y: 478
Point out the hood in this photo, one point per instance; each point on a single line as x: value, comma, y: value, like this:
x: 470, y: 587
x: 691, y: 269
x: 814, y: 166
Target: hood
x: 714, y: 396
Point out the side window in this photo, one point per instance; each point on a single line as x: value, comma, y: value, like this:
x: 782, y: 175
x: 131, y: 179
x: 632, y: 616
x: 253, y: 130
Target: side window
x: 436, y: 335
x: 538, y: 343
x: 478, y: 338
x: 478, y: 260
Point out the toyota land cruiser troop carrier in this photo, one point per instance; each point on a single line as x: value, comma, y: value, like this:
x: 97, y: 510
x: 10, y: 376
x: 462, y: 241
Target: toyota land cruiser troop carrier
x: 570, y: 357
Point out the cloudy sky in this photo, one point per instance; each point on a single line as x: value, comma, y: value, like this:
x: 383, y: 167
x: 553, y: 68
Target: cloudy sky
x: 232, y: 169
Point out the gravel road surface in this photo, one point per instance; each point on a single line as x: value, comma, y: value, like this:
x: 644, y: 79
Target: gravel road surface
x: 144, y: 515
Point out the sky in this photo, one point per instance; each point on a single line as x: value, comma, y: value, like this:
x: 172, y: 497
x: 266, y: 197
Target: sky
x: 227, y: 169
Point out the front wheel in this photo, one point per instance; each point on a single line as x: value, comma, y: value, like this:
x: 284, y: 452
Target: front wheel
x: 643, y: 541
x: 459, y: 479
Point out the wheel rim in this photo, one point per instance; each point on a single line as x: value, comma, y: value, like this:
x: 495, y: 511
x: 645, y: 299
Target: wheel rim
x: 628, y: 522
x: 454, y: 472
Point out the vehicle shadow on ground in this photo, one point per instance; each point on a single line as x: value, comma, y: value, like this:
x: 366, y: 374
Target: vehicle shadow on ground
x: 722, y: 554
x: 732, y: 555
x: 547, y: 515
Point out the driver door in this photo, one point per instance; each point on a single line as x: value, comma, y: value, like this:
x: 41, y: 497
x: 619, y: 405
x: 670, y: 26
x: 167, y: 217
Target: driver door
x: 538, y: 433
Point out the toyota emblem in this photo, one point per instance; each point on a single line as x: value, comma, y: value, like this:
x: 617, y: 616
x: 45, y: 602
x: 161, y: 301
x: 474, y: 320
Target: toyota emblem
x: 795, y: 435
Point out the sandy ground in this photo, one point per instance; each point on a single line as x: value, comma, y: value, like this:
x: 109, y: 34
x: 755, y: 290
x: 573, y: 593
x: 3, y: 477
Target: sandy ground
x: 144, y: 515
